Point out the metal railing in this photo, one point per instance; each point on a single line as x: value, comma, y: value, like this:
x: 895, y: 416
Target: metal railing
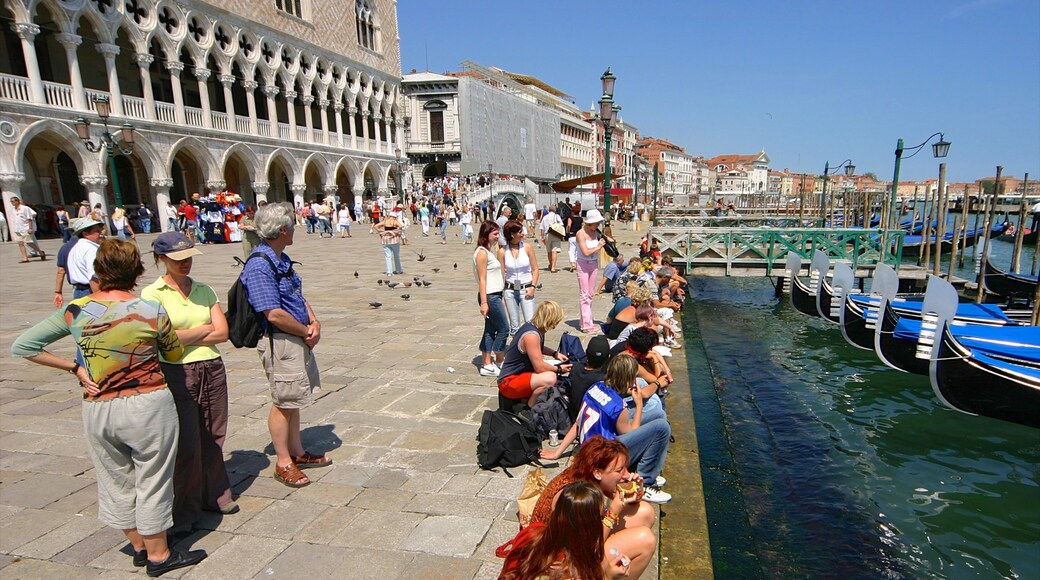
x: 748, y: 249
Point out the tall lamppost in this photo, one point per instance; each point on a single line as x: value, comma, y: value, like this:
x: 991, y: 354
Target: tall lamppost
x: 108, y: 141
x: 607, y: 110
x: 400, y: 178
x: 827, y: 172
x: 656, y: 171
x: 491, y: 184
x: 939, y: 150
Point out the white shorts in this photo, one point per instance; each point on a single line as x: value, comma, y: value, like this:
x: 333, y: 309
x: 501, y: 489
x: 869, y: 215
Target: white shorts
x: 23, y: 237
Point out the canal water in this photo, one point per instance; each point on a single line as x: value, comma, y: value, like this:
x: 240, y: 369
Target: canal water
x: 819, y: 461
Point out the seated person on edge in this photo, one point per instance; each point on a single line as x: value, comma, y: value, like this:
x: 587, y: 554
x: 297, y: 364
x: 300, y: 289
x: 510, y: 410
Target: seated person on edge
x: 610, y: 274
x: 652, y: 367
x: 583, y: 377
x: 603, y: 412
x: 604, y: 463
x: 626, y: 316
x: 629, y: 274
x: 573, y: 543
x: 525, y: 372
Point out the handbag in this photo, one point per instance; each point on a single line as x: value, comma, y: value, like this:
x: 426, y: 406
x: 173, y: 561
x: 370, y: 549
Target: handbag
x: 611, y: 249
x: 558, y: 230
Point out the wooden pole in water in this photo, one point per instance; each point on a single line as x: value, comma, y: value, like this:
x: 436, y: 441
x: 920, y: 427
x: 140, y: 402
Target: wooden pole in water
x: 924, y: 258
x: 801, y: 203
x: 940, y: 228
x: 987, y: 227
x: 964, y: 225
x: 984, y: 203
x: 958, y: 225
x: 1020, y: 230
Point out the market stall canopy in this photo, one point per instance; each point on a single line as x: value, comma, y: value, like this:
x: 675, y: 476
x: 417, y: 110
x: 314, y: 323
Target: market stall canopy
x: 569, y: 185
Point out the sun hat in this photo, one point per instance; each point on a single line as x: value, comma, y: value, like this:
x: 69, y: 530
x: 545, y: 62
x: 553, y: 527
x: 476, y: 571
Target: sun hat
x: 593, y: 217
x: 175, y: 246
x: 83, y: 223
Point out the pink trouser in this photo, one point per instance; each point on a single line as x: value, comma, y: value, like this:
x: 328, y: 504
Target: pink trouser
x: 588, y: 273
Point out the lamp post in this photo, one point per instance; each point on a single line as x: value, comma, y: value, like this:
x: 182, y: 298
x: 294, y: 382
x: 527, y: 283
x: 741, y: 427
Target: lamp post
x: 607, y: 111
x: 827, y: 172
x: 655, y: 194
x: 491, y: 184
x: 108, y: 141
x: 400, y: 178
x: 939, y: 150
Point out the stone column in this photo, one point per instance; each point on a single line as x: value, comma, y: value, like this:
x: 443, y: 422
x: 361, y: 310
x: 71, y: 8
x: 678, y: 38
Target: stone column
x: 308, y: 117
x: 260, y: 191
x: 298, y: 190
x: 144, y: 61
x: 330, y: 195
x: 11, y: 183
x: 202, y: 75
x: 95, y: 185
x: 216, y: 185
x: 162, y: 197
x: 229, y: 102
x: 364, y: 128
x: 338, y: 108
x: 175, y: 67
x: 290, y: 108
x: 27, y: 31
x: 359, y: 190
x: 351, y: 113
x: 109, y: 51
x: 399, y: 132
x: 250, y: 86
x: 323, y: 104
x: 71, y: 42
x: 272, y: 110
x: 379, y: 133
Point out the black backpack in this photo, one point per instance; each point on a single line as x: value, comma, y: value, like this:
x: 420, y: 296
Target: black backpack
x: 550, y: 412
x: 245, y: 325
x: 506, y: 440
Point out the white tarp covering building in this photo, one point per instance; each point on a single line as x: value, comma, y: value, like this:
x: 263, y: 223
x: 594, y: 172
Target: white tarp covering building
x: 513, y: 134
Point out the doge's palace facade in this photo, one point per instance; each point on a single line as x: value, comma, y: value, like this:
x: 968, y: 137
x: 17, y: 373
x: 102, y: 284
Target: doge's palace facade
x: 283, y: 100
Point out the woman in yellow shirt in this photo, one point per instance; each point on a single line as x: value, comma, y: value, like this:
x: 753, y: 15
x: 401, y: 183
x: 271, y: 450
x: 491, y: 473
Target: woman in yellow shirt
x: 198, y: 381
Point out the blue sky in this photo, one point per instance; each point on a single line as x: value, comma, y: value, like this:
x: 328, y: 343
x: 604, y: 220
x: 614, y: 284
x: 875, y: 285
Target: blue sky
x: 809, y: 81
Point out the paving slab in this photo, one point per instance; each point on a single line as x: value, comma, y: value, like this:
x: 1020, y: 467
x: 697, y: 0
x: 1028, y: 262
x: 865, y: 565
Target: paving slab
x: 455, y: 536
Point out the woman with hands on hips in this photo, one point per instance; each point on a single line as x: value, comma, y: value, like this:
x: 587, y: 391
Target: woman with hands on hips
x: 521, y: 274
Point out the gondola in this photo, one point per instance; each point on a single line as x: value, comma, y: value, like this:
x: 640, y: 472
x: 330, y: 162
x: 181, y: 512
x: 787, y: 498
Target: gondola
x: 1028, y: 238
x: 1007, y: 284
x: 897, y: 336
x: 802, y: 296
x: 1001, y: 382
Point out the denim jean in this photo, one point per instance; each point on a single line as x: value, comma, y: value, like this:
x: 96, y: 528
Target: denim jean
x: 519, y: 308
x: 146, y: 226
x: 444, y: 229
x: 171, y: 225
x: 393, y: 258
x: 77, y: 293
x: 496, y: 325
x: 648, y: 447
x: 312, y: 224
x: 325, y: 226
x: 653, y: 409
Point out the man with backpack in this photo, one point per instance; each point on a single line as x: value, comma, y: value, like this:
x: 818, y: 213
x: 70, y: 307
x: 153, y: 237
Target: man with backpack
x: 291, y: 333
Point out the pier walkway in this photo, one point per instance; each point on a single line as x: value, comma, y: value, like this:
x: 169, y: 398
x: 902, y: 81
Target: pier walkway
x: 399, y: 411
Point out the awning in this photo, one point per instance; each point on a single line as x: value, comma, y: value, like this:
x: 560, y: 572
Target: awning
x: 571, y: 184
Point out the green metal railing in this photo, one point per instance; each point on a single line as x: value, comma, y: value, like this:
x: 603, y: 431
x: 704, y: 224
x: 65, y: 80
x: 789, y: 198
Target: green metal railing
x: 750, y: 249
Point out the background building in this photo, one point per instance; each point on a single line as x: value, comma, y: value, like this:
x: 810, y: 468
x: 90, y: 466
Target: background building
x: 272, y: 99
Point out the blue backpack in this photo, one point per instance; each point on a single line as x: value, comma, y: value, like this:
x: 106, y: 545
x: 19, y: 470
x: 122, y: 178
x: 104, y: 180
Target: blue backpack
x: 570, y: 345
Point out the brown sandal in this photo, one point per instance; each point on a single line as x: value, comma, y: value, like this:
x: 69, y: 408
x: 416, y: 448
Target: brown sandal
x: 291, y: 476
x: 307, y: 461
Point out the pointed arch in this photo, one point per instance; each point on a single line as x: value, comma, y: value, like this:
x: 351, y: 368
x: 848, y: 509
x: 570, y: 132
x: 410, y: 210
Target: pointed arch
x: 349, y: 165
x: 245, y: 152
x: 321, y: 164
x: 289, y: 161
x: 201, y: 154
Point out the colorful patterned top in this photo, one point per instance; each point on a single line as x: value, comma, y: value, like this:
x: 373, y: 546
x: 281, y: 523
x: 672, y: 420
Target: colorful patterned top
x: 120, y: 342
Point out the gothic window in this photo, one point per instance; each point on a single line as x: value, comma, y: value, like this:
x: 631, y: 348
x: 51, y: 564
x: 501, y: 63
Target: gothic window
x: 298, y: 8
x: 366, y: 30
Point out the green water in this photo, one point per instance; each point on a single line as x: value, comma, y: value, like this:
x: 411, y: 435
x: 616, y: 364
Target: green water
x: 819, y: 461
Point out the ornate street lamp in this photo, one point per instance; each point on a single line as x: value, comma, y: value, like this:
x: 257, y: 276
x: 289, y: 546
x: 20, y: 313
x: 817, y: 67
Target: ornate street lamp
x: 850, y: 169
x: 939, y: 150
x: 108, y: 141
x: 607, y: 115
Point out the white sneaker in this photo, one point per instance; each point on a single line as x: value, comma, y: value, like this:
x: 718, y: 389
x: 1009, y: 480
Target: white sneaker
x: 490, y: 370
x: 660, y: 481
x: 670, y: 342
x: 655, y: 495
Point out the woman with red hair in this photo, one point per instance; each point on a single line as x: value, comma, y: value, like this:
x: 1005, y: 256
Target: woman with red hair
x: 569, y: 545
x: 627, y: 525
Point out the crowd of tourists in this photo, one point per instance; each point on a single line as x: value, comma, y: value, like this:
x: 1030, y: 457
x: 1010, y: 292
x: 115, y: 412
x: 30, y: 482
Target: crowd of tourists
x: 155, y: 390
